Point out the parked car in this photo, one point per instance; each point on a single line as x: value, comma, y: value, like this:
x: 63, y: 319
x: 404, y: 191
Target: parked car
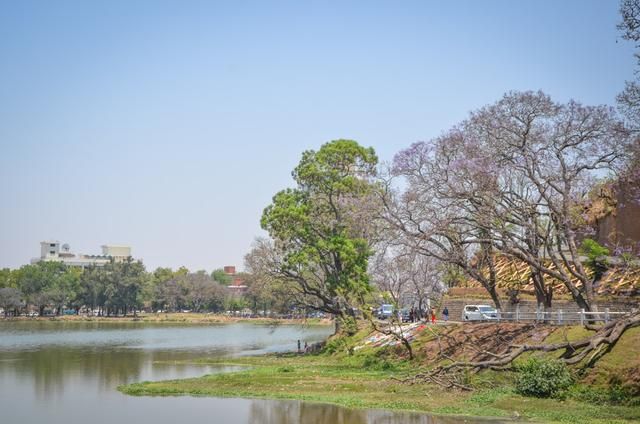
x: 479, y: 313
x: 406, y: 316
x: 385, y: 311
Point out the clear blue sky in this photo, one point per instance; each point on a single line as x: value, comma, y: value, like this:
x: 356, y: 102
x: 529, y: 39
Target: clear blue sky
x: 169, y: 125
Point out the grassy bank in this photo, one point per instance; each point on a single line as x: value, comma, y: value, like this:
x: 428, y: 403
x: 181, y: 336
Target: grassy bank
x: 368, y: 378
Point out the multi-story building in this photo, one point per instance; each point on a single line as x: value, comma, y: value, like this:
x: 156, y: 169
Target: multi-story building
x: 51, y: 251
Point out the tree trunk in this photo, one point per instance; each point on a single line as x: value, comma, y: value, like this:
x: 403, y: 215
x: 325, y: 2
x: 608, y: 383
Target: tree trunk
x: 494, y: 296
x: 544, y: 295
x: 407, y: 346
x: 338, y: 325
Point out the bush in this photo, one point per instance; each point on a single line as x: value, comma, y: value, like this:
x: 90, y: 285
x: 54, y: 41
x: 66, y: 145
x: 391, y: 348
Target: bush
x: 593, y: 250
x: 380, y: 364
x: 543, y: 378
x: 335, y: 345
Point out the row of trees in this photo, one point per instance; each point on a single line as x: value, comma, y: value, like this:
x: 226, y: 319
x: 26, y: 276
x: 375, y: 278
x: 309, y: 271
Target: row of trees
x: 513, y: 179
x: 121, y: 288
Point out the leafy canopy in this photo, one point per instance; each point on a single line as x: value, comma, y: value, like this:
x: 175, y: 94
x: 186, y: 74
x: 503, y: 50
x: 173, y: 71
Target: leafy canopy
x: 317, y: 225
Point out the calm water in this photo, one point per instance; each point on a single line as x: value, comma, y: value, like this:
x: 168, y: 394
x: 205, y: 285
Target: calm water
x: 53, y: 372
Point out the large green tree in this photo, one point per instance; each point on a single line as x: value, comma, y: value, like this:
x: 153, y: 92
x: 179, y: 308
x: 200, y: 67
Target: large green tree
x: 8, y: 278
x: 221, y: 277
x: 321, y: 229
x: 49, y: 284
x: 92, y: 288
x: 123, y: 286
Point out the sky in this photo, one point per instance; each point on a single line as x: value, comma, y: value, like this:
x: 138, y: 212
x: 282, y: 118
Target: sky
x: 169, y: 125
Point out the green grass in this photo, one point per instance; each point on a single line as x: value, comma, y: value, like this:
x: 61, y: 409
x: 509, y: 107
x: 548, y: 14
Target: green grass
x: 346, y: 381
x: 368, y: 378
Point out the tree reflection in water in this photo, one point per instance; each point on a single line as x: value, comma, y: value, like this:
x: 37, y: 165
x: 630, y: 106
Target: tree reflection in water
x: 296, y: 412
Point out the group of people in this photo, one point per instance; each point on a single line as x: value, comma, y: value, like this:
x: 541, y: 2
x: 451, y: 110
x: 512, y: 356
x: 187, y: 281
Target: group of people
x: 306, y: 347
x: 416, y: 315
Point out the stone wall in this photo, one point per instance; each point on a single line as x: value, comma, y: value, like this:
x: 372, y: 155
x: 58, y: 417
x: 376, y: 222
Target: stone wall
x: 622, y: 227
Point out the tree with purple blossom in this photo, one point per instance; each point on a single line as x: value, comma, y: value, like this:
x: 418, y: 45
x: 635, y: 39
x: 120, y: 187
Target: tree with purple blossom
x: 507, y: 180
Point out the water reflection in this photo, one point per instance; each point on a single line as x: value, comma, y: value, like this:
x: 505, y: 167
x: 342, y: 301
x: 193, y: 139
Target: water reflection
x: 100, y: 356
x: 295, y: 412
x: 102, y: 369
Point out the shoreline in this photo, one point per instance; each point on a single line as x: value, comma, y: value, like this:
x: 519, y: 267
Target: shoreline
x: 177, y: 318
x: 371, y: 378
x: 311, y: 378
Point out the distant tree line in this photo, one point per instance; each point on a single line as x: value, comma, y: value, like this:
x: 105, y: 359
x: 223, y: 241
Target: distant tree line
x: 123, y: 288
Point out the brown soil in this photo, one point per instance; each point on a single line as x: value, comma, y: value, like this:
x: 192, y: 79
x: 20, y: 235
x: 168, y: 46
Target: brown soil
x: 477, y: 342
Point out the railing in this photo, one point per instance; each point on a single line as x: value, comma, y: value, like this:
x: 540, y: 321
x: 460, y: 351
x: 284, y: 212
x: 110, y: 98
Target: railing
x: 561, y: 317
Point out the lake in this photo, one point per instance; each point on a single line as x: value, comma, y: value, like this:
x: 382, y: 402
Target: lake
x: 67, y: 372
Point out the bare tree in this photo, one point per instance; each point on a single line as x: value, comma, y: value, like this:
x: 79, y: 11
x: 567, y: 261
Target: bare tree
x: 431, y: 214
x: 508, y: 180
x: 629, y: 98
x: 171, y: 293
x: 10, y: 298
x: 556, y: 151
x: 201, y: 291
x: 265, y: 265
x: 407, y: 276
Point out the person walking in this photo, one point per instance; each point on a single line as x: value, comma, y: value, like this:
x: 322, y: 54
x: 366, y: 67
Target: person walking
x: 445, y: 314
x: 433, y: 316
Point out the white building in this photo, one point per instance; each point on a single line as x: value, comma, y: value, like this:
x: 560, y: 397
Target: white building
x: 118, y: 253
x: 51, y: 251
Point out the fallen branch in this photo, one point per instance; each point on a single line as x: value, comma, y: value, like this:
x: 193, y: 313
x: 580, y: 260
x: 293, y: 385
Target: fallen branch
x: 449, y: 375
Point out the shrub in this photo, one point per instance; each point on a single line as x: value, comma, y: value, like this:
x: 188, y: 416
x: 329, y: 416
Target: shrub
x: 335, y: 345
x: 543, y: 378
x: 375, y: 363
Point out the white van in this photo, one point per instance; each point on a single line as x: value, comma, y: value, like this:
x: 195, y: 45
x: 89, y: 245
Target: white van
x: 385, y: 311
x: 479, y: 313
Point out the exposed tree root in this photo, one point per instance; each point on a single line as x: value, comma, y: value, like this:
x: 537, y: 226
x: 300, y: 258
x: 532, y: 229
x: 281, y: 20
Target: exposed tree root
x: 395, y: 330
x: 454, y: 373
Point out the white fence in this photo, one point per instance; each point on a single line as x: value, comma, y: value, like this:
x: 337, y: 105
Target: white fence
x: 560, y: 317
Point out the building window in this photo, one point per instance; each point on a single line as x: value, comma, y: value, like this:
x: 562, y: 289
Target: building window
x: 52, y: 252
x: 52, y: 245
